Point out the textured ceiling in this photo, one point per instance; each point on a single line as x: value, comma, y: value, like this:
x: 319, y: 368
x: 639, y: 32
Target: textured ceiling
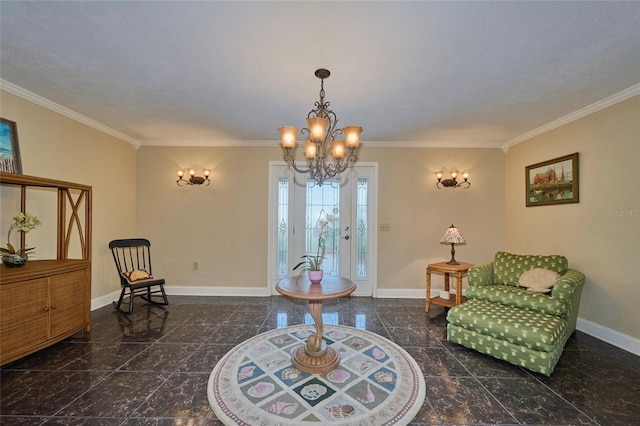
x: 209, y: 73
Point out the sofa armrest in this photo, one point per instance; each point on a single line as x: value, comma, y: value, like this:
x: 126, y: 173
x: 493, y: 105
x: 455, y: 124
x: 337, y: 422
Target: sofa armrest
x: 481, y: 274
x: 568, y: 289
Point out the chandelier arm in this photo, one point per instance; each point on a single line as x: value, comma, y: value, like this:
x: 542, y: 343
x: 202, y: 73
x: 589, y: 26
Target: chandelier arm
x: 289, y: 159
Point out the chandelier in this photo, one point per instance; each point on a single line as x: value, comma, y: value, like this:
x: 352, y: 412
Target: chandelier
x: 322, y: 140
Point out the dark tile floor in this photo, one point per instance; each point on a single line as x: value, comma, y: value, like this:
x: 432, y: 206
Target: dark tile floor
x: 152, y: 367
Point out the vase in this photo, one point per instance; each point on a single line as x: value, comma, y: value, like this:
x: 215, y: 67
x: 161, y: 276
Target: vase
x: 14, y: 260
x: 315, y: 276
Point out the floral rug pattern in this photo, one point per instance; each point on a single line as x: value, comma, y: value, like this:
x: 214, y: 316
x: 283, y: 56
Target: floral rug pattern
x: 376, y: 383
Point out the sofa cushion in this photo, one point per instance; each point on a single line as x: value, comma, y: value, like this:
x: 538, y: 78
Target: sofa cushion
x: 518, y: 297
x: 521, y: 327
x: 538, y: 279
x: 508, y: 267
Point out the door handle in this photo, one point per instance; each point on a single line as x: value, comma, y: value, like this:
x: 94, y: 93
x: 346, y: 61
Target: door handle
x: 346, y: 237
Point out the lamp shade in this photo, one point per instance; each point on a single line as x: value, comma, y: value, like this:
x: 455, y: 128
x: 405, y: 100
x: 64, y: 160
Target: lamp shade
x: 452, y: 236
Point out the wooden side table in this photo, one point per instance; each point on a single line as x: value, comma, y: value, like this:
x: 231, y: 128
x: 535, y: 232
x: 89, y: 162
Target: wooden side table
x: 443, y: 267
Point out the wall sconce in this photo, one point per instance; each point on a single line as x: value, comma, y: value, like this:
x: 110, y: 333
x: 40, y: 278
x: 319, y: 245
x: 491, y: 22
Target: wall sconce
x: 193, y: 179
x: 453, y: 183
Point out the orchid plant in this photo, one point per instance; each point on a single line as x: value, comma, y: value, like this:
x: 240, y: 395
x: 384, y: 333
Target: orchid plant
x: 22, y: 222
x: 321, y: 231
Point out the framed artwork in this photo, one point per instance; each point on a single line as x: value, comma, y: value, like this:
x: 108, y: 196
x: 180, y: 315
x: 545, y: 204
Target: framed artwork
x: 9, y: 150
x: 553, y: 181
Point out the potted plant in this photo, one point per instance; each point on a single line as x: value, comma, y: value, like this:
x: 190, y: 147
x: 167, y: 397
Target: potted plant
x: 312, y: 264
x: 22, y: 222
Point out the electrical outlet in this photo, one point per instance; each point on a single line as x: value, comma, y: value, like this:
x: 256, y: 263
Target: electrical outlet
x: 385, y: 227
x: 195, y: 266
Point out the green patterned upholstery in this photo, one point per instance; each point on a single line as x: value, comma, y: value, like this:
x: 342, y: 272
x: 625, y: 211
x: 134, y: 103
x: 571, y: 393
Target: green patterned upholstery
x: 508, y: 267
x: 508, y: 322
x: 515, y: 325
x: 518, y: 297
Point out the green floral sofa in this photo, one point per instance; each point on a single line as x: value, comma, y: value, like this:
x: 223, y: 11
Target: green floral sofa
x: 506, y: 321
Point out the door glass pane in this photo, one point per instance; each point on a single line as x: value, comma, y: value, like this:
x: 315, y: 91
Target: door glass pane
x: 323, y: 204
x: 283, y: 226
x: 363, y: 228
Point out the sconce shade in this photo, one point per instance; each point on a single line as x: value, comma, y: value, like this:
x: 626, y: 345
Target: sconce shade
x: 452, y: 236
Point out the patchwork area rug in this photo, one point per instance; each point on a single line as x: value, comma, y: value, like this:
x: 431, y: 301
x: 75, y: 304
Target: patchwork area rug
x: 376, y: 383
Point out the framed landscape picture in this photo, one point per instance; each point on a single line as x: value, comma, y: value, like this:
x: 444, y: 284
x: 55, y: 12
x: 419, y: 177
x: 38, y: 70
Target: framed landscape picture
x: 9, y: 150
x: 553, y: 181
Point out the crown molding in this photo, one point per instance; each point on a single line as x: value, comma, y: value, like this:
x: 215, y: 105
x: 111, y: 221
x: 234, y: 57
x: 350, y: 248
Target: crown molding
x: 199, y: 142
x: 39, y: 100
x: 576, y: 115
x: 276, y: 143
x: 583, y: 112
x: 432, y: 144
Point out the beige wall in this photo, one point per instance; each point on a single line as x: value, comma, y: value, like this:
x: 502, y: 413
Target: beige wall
x: 57, y: 147
x: 601, y: 234
x: 419, y: 213
x: 223, y: 227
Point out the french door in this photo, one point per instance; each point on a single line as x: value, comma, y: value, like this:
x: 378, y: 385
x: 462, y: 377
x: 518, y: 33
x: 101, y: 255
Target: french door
x: 335, y: 220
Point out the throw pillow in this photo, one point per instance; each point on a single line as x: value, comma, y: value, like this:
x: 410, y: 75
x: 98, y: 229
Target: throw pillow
x: 137, y: 275
x: 538, y: 279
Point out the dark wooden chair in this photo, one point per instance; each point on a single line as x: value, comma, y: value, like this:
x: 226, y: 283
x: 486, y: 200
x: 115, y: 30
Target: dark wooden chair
x: 133, y: 261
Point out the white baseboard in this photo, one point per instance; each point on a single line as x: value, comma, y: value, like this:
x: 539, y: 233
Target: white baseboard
x: 105, y: 300
x: 606, y: 334
x: 400, y: 293
x: 217, y: 291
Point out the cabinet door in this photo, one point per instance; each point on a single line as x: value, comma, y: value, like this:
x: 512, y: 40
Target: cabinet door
x: 68, y: 301
x: 24, y: 316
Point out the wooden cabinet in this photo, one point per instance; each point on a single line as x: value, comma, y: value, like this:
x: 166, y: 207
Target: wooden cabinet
x: 37, y: 312
x: 47, y: 301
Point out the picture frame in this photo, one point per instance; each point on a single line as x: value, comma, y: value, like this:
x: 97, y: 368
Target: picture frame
x: 553, y: 181
x: 10, y: 161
